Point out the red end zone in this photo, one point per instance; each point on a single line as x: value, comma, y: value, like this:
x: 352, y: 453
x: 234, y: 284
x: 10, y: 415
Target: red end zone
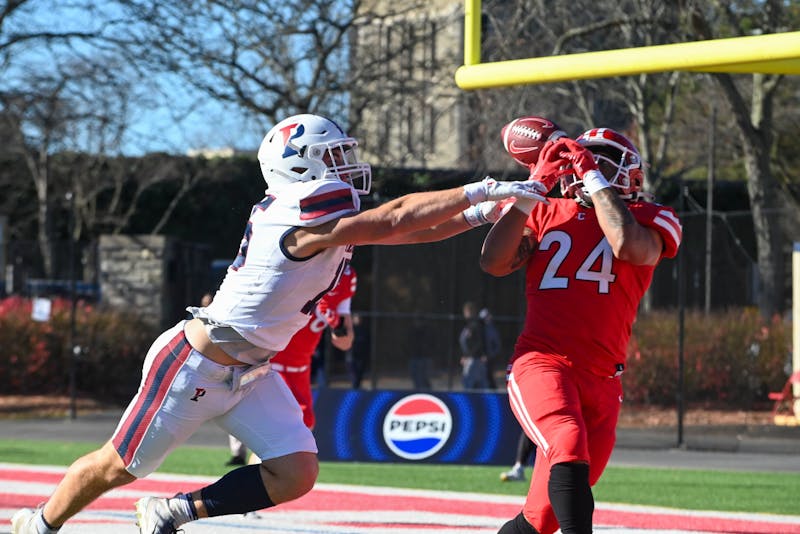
x: 356, y: 509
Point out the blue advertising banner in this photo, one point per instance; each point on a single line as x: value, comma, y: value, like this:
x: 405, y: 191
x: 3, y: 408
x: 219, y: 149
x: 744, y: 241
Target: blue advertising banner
x: 405, y: 426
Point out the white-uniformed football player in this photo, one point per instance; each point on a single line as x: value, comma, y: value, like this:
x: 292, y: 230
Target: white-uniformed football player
x: 215, y: 366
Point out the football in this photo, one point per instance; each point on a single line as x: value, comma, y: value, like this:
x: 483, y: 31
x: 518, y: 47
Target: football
x: 524, y: 138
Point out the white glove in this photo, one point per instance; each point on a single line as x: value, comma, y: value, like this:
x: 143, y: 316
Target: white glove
x: 491, y: 189
x: 488, y: 212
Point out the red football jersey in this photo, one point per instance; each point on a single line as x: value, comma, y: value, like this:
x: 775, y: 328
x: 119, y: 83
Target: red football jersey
x: 575, y: 287
x: 301, y: 347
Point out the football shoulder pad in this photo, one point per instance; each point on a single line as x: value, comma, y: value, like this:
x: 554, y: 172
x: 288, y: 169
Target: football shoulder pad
x: 313, y: 203
x: 662, y: 219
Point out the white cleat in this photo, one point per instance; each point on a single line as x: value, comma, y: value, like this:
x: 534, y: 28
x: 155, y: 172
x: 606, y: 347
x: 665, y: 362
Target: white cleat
x: 24, y: 521
x: 153, y: 516
x: 513, y: 475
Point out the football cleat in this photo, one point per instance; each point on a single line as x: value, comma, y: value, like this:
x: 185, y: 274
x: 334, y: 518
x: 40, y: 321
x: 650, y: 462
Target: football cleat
x: 515, y: 474
x: 153, y: 516
x: 24, y: 521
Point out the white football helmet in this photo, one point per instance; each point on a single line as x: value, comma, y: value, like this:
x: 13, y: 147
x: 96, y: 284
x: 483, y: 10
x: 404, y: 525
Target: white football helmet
x: 619, y: 161
x: 310, y: 147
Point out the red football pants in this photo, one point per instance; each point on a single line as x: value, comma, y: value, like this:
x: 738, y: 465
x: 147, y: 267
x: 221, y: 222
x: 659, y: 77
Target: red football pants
x: 570, y: 414
x: 300, y: 384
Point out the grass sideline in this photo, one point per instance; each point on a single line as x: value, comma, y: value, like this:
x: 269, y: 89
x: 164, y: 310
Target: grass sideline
x: 685, y: 489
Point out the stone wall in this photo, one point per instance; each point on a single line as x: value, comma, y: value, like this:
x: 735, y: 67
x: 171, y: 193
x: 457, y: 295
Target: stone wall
x: 155, y: 276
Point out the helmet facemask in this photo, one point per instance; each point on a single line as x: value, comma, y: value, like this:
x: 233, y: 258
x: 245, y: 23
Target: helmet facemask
x: 617, y: 159
x: 341, y: 162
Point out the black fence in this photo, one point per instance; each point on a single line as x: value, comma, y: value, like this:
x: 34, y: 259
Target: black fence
x: 410, y: 297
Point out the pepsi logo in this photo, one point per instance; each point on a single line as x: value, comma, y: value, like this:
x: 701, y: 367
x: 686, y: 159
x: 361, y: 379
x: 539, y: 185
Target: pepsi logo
x: 417, y: 426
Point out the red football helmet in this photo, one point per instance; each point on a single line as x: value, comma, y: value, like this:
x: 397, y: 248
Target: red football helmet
x: 619, y: 161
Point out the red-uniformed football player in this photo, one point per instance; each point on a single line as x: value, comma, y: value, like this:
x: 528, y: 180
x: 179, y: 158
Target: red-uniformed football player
x: 589, y: 258
x: 294, y: 362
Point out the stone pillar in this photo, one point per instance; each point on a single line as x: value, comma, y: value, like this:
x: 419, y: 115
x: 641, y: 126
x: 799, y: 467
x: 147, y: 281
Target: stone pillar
x: 132, y: 273
x: 155, y: 276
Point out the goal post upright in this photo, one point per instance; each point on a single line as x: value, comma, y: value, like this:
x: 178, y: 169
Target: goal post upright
x: 472, y: 32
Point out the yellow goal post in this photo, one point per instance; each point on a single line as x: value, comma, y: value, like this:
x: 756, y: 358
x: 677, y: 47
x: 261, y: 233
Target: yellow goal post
x: 777, y: 53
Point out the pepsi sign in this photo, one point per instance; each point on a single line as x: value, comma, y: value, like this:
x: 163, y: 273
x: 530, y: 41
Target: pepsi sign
x: 417, y: 426
x: 403, y: 426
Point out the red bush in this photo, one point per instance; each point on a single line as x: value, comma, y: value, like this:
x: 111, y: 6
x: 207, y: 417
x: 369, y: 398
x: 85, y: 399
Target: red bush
x: 731, y: 359
x: 36, y: 356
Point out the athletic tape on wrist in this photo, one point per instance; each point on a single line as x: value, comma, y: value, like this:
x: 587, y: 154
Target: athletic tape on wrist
x: 594, y: 181
x: 474, y: 216
x: 525, y: 205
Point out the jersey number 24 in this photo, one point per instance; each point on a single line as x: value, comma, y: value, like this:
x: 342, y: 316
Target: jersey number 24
x: 601, y: 253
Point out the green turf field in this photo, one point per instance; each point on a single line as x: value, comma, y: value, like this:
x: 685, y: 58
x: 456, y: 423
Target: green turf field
x: 676, y: 488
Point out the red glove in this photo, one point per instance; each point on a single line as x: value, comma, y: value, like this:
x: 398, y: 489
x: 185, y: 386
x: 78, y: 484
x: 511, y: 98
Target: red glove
x: 579, y: 156
x: 551, y: 164
x: 331, y: 317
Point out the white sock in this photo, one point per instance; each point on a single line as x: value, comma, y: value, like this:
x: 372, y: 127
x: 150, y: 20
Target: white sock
x: 181, y: 509
x: 41, y: 526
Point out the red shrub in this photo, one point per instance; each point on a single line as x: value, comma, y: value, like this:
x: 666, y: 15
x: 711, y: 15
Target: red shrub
x: 731, y: 359
x: 35, y: 357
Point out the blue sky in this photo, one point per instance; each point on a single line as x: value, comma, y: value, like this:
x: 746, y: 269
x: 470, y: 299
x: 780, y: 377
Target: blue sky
x: 165, y: 123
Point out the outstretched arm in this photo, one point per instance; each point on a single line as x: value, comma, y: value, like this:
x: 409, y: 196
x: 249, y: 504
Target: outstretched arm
x: 488, y: 212
x: 394, y: 221
x: 453, y: 226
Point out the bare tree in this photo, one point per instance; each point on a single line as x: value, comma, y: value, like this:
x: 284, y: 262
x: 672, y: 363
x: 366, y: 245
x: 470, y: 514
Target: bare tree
x: 41, y: 111
x: 752, y: 102
x: 37, y: 92
x: 642, y: 106
x: 267, y: 58
x: 667, y: 113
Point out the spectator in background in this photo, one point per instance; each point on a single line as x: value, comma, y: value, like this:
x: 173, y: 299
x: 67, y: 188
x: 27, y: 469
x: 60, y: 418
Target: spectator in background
x: 357, y: 358
x: 473, y: 349
x: 419, y: 345
x: 526, y: 452
x: 492, y: 344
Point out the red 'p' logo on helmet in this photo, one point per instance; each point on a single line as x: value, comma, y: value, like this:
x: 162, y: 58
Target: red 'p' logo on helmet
x: 291, y: 149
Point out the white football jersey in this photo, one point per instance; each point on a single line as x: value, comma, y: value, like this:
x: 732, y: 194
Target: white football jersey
x: 267, y: 294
